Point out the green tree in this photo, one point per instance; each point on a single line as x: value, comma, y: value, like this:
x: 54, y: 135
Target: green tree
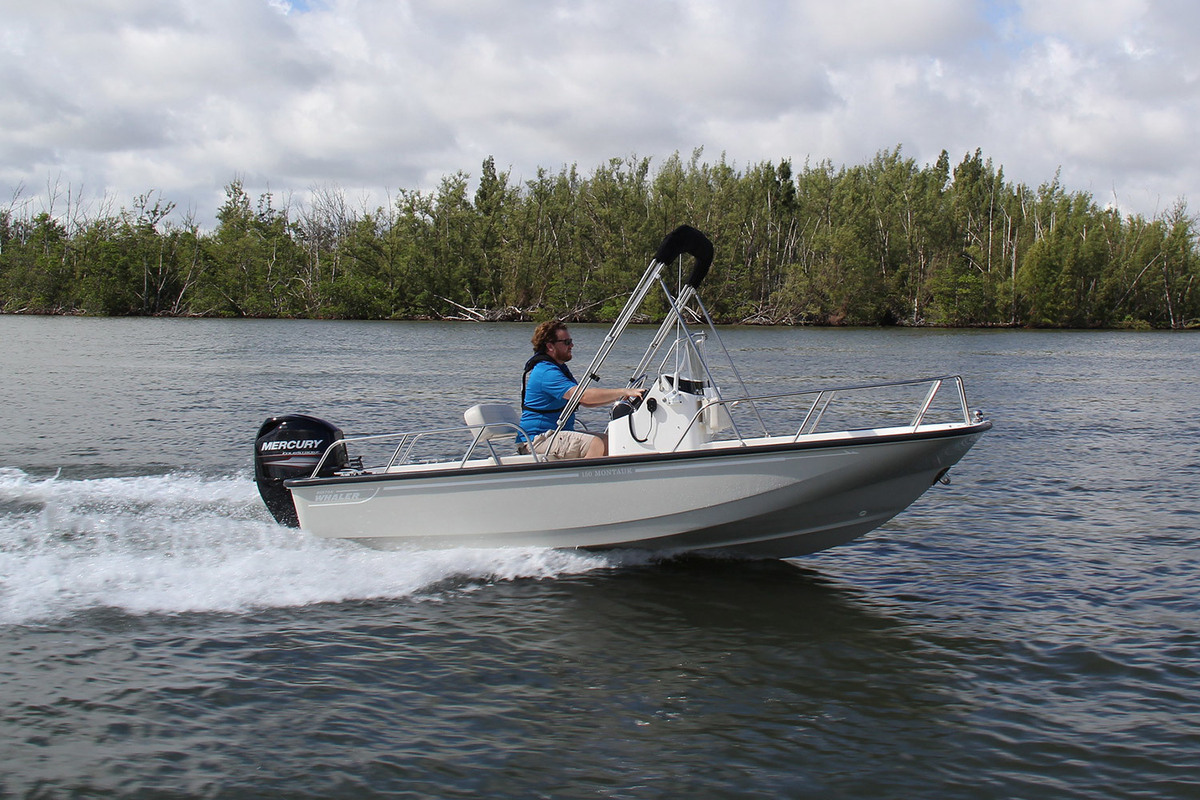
x: 252, y: 261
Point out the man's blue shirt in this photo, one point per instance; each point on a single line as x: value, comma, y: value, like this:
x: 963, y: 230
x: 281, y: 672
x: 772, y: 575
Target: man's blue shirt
x: 544, y: 388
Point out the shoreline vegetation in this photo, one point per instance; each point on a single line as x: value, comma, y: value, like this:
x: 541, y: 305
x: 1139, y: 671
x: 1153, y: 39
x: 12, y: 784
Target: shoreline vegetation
x: 888, y: 242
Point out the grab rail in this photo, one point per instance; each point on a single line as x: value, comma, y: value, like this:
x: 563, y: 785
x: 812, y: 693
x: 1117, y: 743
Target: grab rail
x: 823, y: 399
x: 408, y: 441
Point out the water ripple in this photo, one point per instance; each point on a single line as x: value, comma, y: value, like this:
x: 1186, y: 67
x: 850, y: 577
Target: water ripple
x: 1028, y: 631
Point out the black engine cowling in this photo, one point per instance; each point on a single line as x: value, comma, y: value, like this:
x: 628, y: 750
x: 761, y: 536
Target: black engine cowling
x: 290, y: 447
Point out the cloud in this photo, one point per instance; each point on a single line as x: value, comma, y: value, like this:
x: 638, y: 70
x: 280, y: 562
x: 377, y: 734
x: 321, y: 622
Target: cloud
x: 181, y: 96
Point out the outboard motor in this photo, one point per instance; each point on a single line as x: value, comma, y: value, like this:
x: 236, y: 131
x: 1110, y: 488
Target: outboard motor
x: 290, y: 447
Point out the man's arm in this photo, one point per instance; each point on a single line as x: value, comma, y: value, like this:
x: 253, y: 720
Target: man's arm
x: 595, y: 396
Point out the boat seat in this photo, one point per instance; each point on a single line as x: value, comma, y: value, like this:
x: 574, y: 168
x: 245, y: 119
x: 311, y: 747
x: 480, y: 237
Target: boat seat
x: 498, y: 420
x: 492, y: 421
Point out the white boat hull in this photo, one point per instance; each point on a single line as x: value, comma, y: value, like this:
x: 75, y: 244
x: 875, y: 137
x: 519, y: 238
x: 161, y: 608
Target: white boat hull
x: 773, y: 499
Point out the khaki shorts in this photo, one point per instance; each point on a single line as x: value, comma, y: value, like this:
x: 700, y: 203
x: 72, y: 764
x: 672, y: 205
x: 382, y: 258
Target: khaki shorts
x: 568, y: 444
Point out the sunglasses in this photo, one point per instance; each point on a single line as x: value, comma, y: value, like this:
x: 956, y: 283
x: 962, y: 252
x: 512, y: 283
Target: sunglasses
x: 567, y: 342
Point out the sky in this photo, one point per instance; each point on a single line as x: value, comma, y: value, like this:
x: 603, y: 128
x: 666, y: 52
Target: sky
x: 105, y: 100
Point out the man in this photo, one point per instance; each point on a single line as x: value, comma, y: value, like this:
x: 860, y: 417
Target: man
x: 547, y: 387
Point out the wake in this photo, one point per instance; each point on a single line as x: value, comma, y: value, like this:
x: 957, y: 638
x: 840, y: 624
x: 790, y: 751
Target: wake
x: 182, y: 543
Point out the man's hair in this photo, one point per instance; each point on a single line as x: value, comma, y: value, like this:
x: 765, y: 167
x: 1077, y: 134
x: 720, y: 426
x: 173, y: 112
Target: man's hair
x: 546, y: 333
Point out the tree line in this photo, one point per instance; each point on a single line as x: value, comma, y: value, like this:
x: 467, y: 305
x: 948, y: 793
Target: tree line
x: 888, y: 242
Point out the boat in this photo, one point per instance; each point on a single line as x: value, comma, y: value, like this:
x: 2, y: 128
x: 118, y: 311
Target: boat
x: 698, y: 463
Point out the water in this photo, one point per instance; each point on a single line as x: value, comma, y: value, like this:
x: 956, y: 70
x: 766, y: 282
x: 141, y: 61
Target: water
x: 1032, y: 629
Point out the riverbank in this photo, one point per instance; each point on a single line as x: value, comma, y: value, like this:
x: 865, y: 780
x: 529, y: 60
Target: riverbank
x: 526, y: 317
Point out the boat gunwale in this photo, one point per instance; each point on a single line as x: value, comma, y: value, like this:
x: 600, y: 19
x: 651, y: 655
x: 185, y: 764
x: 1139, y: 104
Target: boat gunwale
x: 608, y: 462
